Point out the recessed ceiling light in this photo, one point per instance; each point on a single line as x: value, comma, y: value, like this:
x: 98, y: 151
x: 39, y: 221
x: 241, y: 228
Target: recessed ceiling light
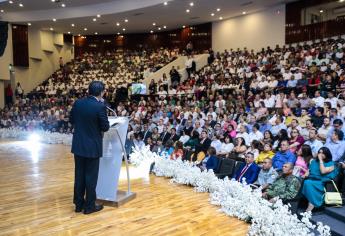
x: 243, y: 13
x: 154, y: 23
x: 69, y: 32
x: 191, y: 4
x: 183, y: 26
x: 159, y: 28
x: 79, y: 35
x: 53, y: 0
x: 118, y: 33
x: 85, y: 29
x: 72, y: 25
x: 96, y: 33
x: 164, y: 26
x: 29, y: 24
x: 124, y: 29
x: 98, y: 15
x: 212, y: 14
x: 220, y: 18
x: 218, y: 9
x: 151, y: 31
x: 126, y: 20
x: 63, y: 5
x: 54, y: 19
x: 51, y: 28
x: 187, y: 10
x: 10, y: 2
x: 21, y: 5
x: 321, y: 11
x: 341, y: 0
x: 1, y: 10
x: 117, y: 23
x: 165, y: 3
x: 94, y: 19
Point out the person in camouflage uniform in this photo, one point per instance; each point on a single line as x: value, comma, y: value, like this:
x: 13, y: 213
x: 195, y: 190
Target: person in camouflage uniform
x: 285, y: 187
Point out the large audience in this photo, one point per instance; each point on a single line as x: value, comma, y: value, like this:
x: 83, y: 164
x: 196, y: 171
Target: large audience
x: 278, y: 112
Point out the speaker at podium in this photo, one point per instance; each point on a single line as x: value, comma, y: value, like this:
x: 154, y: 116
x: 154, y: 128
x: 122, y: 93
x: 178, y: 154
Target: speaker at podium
x: 110, y: 164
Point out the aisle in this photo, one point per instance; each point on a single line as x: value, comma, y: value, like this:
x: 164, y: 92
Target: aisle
x: 36, y: 183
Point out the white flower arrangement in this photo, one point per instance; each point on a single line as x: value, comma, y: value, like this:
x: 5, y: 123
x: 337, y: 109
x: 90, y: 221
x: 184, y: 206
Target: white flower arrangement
x: 235, y: 199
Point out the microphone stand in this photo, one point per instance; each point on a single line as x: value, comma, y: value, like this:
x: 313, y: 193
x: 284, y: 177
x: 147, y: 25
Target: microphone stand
x: 124, y: 153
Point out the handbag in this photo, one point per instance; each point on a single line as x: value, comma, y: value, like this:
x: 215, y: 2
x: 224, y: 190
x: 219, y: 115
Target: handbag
x: 333, y: 198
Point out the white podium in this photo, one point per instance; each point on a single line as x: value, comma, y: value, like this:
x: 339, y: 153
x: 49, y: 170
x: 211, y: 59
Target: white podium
x: 111, y: 162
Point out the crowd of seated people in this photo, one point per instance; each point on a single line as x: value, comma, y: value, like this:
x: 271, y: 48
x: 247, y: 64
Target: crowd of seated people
x: 279, y: 113
x: 48, y: 106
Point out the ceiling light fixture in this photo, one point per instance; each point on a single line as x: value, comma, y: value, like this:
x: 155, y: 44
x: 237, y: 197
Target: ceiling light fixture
x: 1, y: 10
x: 96, y: 33
x: 321, y: 11
x: 63, y: 5
x: 212, y: 14
x: 164, y: 26
x: 341, y: 0
x: 51, y: 28
x: 243, y: 13
x: 72, y: 25
x: 118, y: 33
x: 154, y: 23
x: 21, y: 5
x: 165, y: 3
x: 53, y: 0
x: 126, y: 20
x: 117, y: 23
x: 94, y: 19
x: 124, y: 29
x: 85, y: 29
x: 98, y: 15
x: 68, y: 32
x: 159, y: 28
x: 10, y: 2
x: 183, y: 26
x: 54, y: 19
x: 218, y: 9
x: 79, y: 35
x: 191, y: 4
x: 187, y: 10
x: 29, y: 24
x: 220, y: 18
x: 151, y: 31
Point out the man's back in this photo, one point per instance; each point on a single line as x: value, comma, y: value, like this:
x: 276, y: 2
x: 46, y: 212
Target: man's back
x: 90, y: 119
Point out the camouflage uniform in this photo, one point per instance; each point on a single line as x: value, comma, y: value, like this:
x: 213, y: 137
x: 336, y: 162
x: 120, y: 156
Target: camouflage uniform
x: 285, y: 187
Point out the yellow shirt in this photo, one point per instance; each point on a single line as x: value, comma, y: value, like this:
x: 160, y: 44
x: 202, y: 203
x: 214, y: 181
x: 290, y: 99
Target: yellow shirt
x: 263, y: 155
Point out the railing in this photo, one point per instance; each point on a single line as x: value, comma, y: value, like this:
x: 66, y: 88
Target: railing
x: 320, y: 30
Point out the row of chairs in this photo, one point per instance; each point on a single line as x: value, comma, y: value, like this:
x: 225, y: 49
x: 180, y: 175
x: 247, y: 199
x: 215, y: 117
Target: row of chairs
x: 227, y: 167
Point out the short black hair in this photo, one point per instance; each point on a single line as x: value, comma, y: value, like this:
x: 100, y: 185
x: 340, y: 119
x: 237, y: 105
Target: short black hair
x: 337, y: 122
x: 96, y: 88
x: 339, y: 133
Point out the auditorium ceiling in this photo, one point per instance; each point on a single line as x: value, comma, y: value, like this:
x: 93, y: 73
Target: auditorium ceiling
x: 88, y: 17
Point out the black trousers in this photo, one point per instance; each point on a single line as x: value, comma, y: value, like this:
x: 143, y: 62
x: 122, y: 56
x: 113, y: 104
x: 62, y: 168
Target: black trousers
x: 85, y: 181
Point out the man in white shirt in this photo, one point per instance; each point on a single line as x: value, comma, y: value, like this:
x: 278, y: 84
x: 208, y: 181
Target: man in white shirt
x: 319, y: 101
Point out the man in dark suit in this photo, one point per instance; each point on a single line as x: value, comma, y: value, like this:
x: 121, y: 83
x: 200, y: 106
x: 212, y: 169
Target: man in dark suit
x: 249, y: 170
x: 146, y: 133
x: 165, y: 135
x: 90, y: 120
x: 173, y: 136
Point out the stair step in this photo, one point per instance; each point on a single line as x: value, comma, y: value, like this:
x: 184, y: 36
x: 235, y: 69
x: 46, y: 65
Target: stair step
x: 336, y: 212
x: 337, y: 226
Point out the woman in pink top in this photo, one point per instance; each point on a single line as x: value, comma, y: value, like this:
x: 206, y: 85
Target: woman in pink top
x: 304, y: 156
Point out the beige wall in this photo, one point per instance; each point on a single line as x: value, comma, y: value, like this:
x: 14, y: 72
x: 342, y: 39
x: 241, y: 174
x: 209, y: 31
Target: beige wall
x: 254, y: 31
x: 45, y: 49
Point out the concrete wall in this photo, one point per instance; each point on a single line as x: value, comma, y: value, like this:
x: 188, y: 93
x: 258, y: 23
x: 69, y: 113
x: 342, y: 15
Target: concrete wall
x: 45, y: 49
x: 254, y: 31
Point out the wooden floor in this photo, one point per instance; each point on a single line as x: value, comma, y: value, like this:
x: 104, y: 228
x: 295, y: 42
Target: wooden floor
x: 36, y: 189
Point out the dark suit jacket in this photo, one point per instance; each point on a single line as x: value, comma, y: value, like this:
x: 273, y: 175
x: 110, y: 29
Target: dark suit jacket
x: 174, y: 138
x: 90, y: 120
x: 148, y: 135
x: 203, y: 146
x: 165, y: 136
x: 251, y: 174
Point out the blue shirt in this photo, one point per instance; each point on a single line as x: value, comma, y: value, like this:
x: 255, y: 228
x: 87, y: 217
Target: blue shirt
x: 314, y: 145
x: 280, y: 158
x: 337, y: 149
x: 265, y: 127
